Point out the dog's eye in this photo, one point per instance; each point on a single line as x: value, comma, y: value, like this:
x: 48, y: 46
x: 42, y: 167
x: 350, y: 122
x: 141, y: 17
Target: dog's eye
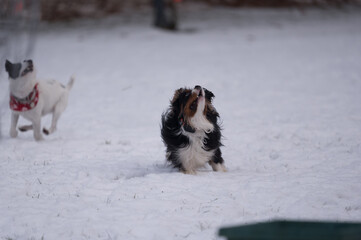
x: 193, y: 106
x: 28, y: 69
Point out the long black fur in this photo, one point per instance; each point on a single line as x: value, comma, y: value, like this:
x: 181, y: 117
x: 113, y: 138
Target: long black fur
x: 174, y: 139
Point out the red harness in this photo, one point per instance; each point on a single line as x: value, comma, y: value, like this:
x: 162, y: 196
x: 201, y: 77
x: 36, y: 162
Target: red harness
x: 27, y: 103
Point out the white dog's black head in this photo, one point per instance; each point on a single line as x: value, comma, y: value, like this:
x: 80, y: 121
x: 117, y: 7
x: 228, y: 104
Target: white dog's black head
x: 23, y: 69
x: 192, y: 107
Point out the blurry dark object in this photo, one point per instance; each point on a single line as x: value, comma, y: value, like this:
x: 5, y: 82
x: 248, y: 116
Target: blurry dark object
x: 54, y: 10
x: 294, y: 230
x: 165, y: 14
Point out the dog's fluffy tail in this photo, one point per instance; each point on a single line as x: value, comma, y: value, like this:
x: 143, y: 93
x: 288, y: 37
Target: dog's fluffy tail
x: 70, y: 83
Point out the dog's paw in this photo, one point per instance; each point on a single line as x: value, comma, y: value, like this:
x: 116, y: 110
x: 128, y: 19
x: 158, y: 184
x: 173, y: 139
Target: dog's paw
x: 189, y: 172
x: 22, y: 129
x: 218, y: 167
x: 38, y: 139
x: 25, y: 128
x: 13, y: 133
x: 46, y: 131
x: 38, y: 136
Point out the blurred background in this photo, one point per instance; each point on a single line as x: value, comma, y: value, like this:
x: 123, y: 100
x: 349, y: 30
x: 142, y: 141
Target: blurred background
x: 57, y: 10
x: 19, y: 18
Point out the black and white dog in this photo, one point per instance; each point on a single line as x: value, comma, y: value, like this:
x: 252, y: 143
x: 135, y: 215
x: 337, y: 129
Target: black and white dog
x: 33, y: 99
x: 190, y: 131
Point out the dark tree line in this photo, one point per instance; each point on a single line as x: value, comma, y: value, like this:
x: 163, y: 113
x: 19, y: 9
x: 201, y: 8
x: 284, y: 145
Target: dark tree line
x: 53, y: 10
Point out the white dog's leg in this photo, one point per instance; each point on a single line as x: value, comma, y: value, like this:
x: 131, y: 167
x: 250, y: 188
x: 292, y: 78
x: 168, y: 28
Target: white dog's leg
x: 37, y: 129
x: 54, y: 122
x: 59, y: 108
x: 14, y: 122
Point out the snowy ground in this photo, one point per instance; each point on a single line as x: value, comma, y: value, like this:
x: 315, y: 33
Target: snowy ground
x: 287, y: 86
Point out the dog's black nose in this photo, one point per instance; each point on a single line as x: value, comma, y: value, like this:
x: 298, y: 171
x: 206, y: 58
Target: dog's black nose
x: 198, y: 87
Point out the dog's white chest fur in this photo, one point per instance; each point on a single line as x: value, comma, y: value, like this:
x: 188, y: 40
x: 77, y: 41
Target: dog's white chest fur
x: 194, y: 156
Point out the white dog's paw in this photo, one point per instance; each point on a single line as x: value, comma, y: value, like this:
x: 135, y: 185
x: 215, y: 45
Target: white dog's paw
x: 25, y: 128
x: 46, y: 131
x: 13, y: 133
x: 38, y: 137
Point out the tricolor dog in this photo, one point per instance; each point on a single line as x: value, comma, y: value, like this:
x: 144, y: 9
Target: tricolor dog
x: 190, y: 131
x: 33, y: 99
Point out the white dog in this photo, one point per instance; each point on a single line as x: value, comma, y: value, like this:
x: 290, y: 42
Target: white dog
x: 33, y: 99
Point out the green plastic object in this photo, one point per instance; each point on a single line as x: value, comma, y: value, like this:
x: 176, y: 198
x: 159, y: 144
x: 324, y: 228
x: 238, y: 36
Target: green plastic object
x: 294, y: 230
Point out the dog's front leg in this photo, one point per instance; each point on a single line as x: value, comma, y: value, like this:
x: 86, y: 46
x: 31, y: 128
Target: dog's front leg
x: 14, y: 122
x: 37, y: 129
x: 217, y: 162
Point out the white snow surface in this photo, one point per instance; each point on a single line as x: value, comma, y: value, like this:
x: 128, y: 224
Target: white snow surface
x: 288, y: 90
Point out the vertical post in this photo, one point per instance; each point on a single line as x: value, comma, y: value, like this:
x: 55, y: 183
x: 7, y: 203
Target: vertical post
x: 18, y: 23
x: 165, y: 14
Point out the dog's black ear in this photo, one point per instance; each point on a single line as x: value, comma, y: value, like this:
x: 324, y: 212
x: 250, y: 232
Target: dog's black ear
x: 177, y: 101
x: 209, y: 95
x: 13, y: 69
x: 8, y: 65
x: 177, y: 98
